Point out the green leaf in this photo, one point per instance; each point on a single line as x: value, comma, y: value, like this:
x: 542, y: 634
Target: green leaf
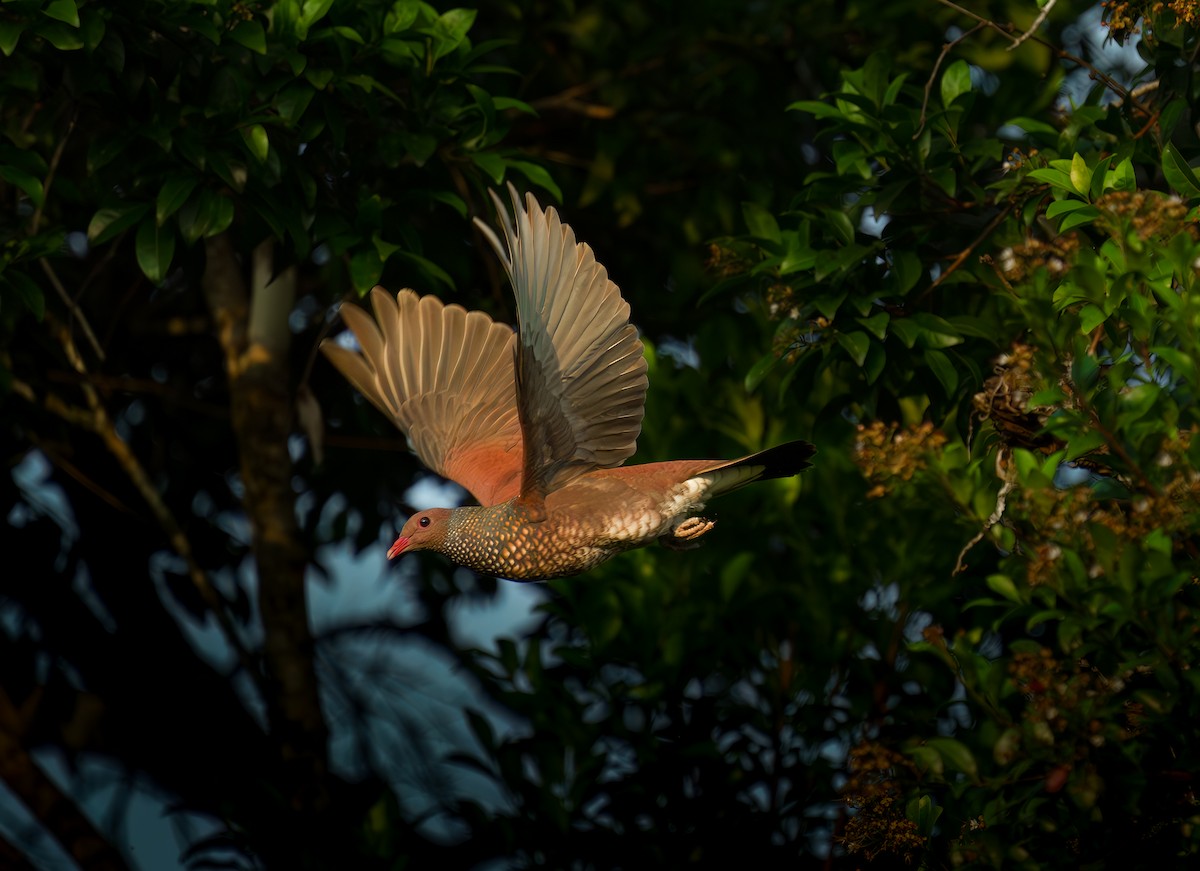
x: 383, y: 248
x: 538, y: 175
x: 1183, y: 364
x: 31, y: 185
x: 205, y: 215
x: 946, y: 178
x: 172, y: 195
x: 291, y: 102
x: 829, y: 303
x: 155, y: 246
x: 906, y: 270
x: 905, y: 330
x: 256, y: 139
x: 924, y: 813
x: 503, y: 103
x: 10, y: 35
x: 838, y: 224
x: 365, y: 269
x: 420, y: 146
x: 251, y: 35
x: 401, y: 16
x: 1054, y: 177
x: 1061, y: 207
x: 454, y: 201
x: 93, y: 30
x: 1004, y: 586
x: 349, y: 33
x: 428, y: 267
x: 450, y: 30
x: 27, y: 291
x: 877, y: 324
x: 60, y: 36
x: 491, y: 163
x: 935, y: 332
x: 760, y: 222
x: 1084, y: 443
x: 943, y: 369
x: 815, y: 108
x: 759, y: 370
x: 956, y: 755
x: 1079, y: 217
x: 222, y: 216
x: 1081, y: 175
x: 318, y: 77
x: 956, y: 81
x: 313, y: 11
x: 63, y: 10
x: 486, y: 106
x: 1179, y: 175
x: 876, y: 360
x: 107, y: 223
x: 232, y: 172
x: 1090, y: 317
x: 856, y: 345
x: 927, y: 759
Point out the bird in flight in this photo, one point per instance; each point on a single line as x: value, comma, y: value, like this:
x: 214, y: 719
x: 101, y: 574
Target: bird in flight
x: 535, y: 422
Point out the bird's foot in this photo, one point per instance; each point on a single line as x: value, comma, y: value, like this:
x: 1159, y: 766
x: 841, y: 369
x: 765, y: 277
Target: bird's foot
x: 685, y: 535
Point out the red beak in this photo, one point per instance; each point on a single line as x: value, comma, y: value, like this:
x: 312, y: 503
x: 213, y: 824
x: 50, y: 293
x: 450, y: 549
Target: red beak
x: 397, y: 547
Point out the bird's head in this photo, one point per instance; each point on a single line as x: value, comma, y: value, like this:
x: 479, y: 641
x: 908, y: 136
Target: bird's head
x: 425, y: 530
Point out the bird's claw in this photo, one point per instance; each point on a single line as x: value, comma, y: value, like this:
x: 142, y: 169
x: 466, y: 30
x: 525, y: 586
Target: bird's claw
x: 685, y: 535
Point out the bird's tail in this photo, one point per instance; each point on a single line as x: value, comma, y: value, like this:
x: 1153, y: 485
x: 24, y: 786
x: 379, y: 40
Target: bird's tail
x: 781, y: 461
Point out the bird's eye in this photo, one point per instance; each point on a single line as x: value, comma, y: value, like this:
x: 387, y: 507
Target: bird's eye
x: 424, y: 521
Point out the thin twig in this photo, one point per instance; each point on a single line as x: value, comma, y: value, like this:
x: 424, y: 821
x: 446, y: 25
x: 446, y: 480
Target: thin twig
x: 36, y: 223
x: 997, y: 513
x: 50, y: 171
x: 987, y: 22
x: 1110, y: 439
x: 96, y: 419
x: 1111, y: 83
x: 1036, y: 24
x: 933, y: 74
x: 73, y: 307
x: 961, y: 257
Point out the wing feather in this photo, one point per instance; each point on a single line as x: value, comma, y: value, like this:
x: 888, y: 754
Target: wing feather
x: 581, y: 374
x: 446, y: 379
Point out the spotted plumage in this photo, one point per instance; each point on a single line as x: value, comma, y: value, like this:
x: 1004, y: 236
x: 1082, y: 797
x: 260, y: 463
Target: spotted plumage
x: 535, y: 423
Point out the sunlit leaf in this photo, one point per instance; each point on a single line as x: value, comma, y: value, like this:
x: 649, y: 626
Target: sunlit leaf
x: 956, y: 81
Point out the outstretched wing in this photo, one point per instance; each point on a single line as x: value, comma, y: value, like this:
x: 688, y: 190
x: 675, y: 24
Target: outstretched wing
x: 581, y: 373
x: 445, y: 377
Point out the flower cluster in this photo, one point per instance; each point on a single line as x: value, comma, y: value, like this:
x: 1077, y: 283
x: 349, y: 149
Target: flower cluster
x: 1149, y: 215
x: 1056, y: 695
x: 1186, y: 11
x: 1121, y: 18
x: 724, y: 262
x: 1072, y: 518
x: 1018, y: 262
x: 879, y: 825
x: 886, y: 454
x: 782, y: 302
x: 1064, y: 716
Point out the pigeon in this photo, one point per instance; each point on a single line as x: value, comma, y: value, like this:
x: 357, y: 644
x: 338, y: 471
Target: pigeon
x: 535, y: 422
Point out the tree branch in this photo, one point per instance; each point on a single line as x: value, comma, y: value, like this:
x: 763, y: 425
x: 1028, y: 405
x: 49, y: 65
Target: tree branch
x: 54, y: 810
x: 95, y: 419
x: 253, y: 331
